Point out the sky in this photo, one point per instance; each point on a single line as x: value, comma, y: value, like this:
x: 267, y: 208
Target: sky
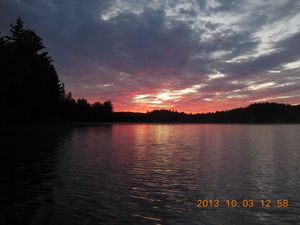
x: 192, y: 55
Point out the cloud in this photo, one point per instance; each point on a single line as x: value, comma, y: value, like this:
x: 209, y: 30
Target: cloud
x: 161, y: 50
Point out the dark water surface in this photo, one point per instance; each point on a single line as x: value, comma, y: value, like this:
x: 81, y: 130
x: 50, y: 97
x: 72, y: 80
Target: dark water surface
x: 149, y: 174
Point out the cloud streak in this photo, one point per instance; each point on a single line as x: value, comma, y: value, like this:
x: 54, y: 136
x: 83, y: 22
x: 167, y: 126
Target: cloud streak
x: 193, y: 56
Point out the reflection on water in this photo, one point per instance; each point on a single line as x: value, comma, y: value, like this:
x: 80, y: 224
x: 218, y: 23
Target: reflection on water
x: 153, y: 174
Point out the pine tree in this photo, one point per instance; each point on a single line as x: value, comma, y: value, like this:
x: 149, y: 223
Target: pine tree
x: 34, y: 82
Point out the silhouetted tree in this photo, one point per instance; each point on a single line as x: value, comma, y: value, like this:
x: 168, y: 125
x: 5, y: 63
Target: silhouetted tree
x: 29, y: 85
x: 32, y: 90
x: 108, y: 106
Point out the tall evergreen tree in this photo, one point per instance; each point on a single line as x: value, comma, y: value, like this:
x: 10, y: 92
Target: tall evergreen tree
x: 29, y: 85
x: 35, y: 91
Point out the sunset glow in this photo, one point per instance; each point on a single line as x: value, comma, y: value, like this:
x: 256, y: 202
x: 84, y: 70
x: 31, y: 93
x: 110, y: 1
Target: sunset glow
x: 191, y: 56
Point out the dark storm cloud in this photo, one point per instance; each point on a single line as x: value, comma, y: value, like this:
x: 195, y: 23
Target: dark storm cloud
x: 110, y: 48
x: 288, y: 51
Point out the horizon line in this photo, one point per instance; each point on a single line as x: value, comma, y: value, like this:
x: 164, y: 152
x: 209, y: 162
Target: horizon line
x: 174, y: 110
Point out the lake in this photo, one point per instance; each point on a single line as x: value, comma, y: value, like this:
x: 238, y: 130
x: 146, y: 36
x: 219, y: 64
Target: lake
x: 150, y: 174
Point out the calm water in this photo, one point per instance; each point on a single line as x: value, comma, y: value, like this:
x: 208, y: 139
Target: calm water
x: 149, y: 174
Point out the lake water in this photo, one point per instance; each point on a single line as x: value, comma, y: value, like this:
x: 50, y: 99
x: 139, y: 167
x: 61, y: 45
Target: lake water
x: 149, y: 174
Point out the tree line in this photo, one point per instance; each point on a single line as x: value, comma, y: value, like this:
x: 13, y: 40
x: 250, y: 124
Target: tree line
x: 30, y: 89
x: 254, y: 113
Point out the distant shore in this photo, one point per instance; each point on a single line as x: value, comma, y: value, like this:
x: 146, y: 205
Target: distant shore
x: 259, y: 113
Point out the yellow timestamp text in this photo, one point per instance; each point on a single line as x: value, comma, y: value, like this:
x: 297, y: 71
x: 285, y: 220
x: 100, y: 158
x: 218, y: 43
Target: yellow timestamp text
x: 243, y: 203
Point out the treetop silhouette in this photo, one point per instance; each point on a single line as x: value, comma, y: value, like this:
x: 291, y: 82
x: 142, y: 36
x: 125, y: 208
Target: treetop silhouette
x: 30, y: 88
